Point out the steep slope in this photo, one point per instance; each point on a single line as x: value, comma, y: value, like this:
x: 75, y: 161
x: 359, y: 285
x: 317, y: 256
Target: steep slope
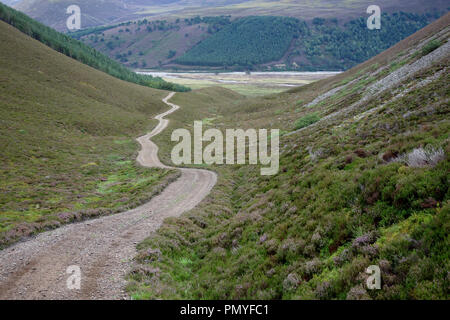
x: 307, y: 10
x: 67, y: 139
x: 325, y: 45
x: 363, y: 181
x: 10, y: 2
x: 79, y: 51
x: 146, y: 43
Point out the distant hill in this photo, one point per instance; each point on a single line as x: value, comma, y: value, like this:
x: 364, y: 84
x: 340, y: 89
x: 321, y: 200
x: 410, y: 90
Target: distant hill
x: 147, y: 43
x: 96, y: 13
x: 260, y: 43
x: 323, y: 44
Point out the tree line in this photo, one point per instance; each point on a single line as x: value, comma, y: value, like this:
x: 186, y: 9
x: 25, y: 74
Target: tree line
x: 316, y: 45
x: 331, y: 46
x: 245, y: 42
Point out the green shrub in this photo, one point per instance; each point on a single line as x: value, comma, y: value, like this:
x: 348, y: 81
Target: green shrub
x: 306, y: 121
x: 430, y: 47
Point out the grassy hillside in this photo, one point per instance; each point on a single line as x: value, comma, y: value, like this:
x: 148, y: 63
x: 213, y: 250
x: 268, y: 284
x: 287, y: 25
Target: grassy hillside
x: 146, y: 43
x: 363, y: 181
x: 247, y: 41
x: 263, y: 42
x: 79, y: 51
x: 67, y: 135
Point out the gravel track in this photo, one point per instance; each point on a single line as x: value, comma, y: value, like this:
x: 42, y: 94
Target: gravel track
x: 103, y: 248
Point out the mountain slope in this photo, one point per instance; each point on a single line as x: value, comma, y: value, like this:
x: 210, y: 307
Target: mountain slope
x: 79, y: 51
x: 150, y: 43
x: 247, y: 41
x: 93, y: 13
x: 172, y: 36
x: 320, y: 45
x: 67, y: 137
x: 363, y: 181
x: 257, y: 42
x: 96, y: 13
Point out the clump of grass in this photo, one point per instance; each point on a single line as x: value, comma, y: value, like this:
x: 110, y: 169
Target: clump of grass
x: 314, y: 155
x: 306, y: 120
x: 430, y: 47
x: 396, y: 65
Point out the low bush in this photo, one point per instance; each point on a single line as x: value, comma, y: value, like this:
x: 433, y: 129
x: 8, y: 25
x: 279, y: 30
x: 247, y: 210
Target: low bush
x: 306, y: 121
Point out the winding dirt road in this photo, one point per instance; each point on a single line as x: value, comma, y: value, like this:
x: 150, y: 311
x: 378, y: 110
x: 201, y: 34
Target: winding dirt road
x: 102, y: 248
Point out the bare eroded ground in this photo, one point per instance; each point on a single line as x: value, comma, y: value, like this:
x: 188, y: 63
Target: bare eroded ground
x: 102, y: 248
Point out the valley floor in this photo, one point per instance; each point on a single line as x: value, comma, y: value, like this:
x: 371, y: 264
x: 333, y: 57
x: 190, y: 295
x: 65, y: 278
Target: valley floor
x: 250, y: 84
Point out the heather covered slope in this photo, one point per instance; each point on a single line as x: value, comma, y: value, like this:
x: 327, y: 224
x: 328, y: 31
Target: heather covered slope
x: 363, y: 181
x: 67, y: 139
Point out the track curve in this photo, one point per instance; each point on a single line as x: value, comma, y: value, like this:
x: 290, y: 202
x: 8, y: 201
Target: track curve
x: 103, y: 247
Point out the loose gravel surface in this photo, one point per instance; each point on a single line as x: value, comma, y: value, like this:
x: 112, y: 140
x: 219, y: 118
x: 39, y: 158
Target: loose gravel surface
x: 102, y: 248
